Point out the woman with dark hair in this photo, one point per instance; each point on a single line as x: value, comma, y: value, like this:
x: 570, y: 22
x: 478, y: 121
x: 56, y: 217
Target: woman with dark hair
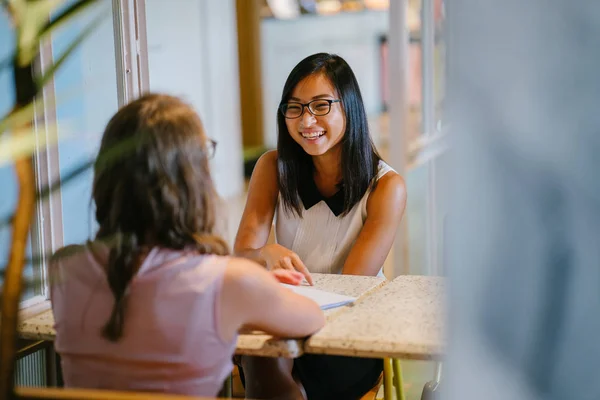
x: 337, y: 207
x: 154, y: 303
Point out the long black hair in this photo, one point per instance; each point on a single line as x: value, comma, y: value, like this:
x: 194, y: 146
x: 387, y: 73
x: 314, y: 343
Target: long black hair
x: 159, y: 194
x: 360, y: 159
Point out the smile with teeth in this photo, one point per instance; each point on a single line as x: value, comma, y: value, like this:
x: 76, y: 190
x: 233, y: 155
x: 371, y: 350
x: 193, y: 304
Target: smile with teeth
x: 312, y: 135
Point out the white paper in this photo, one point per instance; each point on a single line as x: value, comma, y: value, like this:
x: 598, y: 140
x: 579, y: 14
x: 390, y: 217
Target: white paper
x: 324, y: 299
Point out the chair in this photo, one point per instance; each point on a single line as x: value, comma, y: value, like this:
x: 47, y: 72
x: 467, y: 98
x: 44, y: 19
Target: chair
x: 31, y: 393
x: 372, y: 394
x: 431, y: 388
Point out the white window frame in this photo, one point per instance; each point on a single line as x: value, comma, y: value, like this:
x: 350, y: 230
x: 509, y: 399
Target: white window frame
x: 425, y: 149
x: 129, y: 22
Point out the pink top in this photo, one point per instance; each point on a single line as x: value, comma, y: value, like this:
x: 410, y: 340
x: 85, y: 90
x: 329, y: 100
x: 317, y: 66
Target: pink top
x: 171, y: 340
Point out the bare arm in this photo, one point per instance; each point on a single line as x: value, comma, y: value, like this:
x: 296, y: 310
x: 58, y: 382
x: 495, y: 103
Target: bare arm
x: 257, y: 218
x: 385, y: 208
x: 252, y: 297
x: 253, y: 233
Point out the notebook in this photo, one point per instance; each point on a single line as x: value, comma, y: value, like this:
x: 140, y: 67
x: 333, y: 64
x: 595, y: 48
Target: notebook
x: 324, y: 299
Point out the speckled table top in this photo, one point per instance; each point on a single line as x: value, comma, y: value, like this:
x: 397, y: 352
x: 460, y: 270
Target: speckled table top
x: 39, y: 327
x: 257, y: 343
x: 261, y: 344
x: 402, y: 319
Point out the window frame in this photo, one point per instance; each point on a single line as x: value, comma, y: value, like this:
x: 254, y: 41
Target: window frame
x: 46, y: 232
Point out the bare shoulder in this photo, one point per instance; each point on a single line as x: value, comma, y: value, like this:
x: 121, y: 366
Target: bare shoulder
x: 238, y: 266
x: 390, y: 188
x: 67, y: 251
x: 243, y: 275
x: 66, y: 261
x: 270, y: 156
x: 267, y: 162
x: 263, y: 183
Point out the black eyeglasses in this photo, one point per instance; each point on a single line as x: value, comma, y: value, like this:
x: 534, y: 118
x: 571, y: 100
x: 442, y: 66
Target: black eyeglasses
x: 211, y: 148
x: 317, y: 107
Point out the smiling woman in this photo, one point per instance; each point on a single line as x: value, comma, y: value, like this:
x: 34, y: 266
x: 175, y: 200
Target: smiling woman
x: 325, y: 76
x: 304, y: 127
x: 337, y: 206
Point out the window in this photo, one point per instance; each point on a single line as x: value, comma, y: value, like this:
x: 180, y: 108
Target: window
x: 77, y: 105
x: 108, y: 69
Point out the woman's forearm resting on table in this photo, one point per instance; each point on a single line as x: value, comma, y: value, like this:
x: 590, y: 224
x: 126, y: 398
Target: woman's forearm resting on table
x: 250, y: 291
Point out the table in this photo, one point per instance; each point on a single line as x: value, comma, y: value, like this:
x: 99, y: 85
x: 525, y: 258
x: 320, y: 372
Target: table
x: 261, y: 344
x: 41, y: 326
x: 402, y: 319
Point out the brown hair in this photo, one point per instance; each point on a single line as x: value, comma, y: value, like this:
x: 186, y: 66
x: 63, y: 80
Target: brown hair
x: 152, y: 187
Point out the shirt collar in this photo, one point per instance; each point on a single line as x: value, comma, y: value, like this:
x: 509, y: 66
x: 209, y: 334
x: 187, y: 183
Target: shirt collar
x: 310, y: 195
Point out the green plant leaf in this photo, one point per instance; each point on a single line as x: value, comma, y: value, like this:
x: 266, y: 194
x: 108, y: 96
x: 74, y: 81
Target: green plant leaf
x: 30, y: 19
x: 68, y: 251
x: 43, y: 80
x: 49, y: 189
x: 65, y: 16
x: 121, y: 149
x: 23, y: 144
x: 72, y: 175
x: 19, y: 117
x: 102, y: 161
x: 15, y: 8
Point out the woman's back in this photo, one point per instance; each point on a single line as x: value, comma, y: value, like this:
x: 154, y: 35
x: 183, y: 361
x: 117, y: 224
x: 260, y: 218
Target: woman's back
x: 140, y: 316
x: 171, y: 340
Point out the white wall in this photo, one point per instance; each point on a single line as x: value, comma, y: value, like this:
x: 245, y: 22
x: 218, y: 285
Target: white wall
x: 353, y: 36
x: 192, y: 53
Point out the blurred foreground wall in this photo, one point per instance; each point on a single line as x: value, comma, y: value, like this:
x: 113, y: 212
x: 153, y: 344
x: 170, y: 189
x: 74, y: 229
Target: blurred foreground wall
x: 524, y: 237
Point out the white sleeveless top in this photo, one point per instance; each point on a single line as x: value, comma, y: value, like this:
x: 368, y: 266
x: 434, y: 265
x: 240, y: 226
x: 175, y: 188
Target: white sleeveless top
x: 322, y: 237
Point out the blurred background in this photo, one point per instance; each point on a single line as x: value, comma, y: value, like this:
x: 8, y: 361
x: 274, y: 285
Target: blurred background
x: 522, y: 251
x: 229, y: 59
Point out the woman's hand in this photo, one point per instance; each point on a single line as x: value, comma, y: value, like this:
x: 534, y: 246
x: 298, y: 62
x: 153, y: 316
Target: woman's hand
x: 278, y: 257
